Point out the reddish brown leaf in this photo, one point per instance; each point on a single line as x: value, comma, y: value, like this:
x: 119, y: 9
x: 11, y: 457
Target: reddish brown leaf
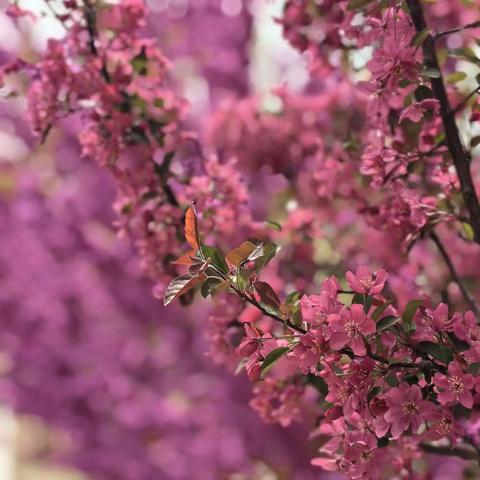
x: 181, y: 285
x: 267, y: 294
x: 236, y: 256
x: 187, y: 259
x: 192, y: 234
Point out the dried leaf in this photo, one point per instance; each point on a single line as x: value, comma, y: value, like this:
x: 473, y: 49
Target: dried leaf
x: 192, y: 234
x: 181, y: 285
x: 236, y: 256
x: 187, y: 259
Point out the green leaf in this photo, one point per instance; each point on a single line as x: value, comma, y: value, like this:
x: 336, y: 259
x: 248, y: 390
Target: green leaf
x: 274, y: 225
x: 272, y: 357
x: 367, y: 303
x: 383, y: 442
x: 386, y: 322
x: 460, y: 345
x: 433, y: 72
x: 409, y: 314
x: 292, y: 298
x: 474, y: 368
x: 270, y: 249
x: 319, y: 383
x: 216, y: 257
x: 139, y: 63
x: 209, y: 286
x: 358, y: 299
x: 468, y: 231
x: 475, y: 141
x: 391, y: 380
x: 465, y: 53
x: 379, y: 310
x: 422, y: 93
x: 420, y: 37
x: 440, y: 352
x: 459, y: 411
x: 456, y: 77
x: 373, y: 393
x: 357, y: 4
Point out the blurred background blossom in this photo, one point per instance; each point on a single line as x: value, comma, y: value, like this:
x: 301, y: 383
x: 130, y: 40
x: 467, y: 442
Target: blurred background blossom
x: 101, y: 378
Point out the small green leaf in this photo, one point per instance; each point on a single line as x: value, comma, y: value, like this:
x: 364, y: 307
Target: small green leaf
x: 367, y: 303
x: 319, y: 383
x: 433, y: 72
x: 475, y: 141
x: 422, y: 93
x: 357, y: 4
x: 468, y: 231
x: 292, y: 298
x: 459, y: 411
x: 391, y: 380
x: 456, y: 77
x: 420, y: 37
x: 274, y: 225
x: 358, y: 299
x: 465, y: 53
x: 474, y: 368
x: 216, y: 257
x: 383, y: 442
x: 379, y: 310
x: 272, y: 357
x: 386, y: 322
x: 440, y: 352
x: 373, y: 393
x: 270, y: 249
x: 409, y: 314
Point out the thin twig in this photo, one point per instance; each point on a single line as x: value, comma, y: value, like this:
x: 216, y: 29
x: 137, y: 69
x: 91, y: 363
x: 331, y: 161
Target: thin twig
x: 465, y: 100
x: 456, y: 30
x: 453, y: 272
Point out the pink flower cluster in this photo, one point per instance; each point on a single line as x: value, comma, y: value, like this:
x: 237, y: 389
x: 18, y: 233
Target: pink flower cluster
x: 383, y: 377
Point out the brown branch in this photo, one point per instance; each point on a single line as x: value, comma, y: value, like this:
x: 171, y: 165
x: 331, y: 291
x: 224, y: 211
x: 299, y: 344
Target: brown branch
x: 460, y: 157
x: 465, y: 100
x: 458, y: 29
x: 453, y: 272
x: 460, y: 451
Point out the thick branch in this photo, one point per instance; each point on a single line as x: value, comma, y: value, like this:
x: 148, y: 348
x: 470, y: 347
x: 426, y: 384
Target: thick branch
x: 460, y: 157
x: 453, y: 272
x: 462, y: 452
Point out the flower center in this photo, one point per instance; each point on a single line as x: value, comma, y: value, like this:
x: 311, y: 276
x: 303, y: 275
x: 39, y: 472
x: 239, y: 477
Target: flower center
x: 456, y: 383
x: 352, y: 328
x: 366, y: 282
x: 444, y: 426
x: 410, y: 408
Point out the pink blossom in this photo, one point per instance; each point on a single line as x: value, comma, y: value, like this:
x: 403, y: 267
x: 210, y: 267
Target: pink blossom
x: 416, y: 110
x: 407, y: 409
x: 455, y: 387
x: 349, y: 328
x: 363, y: 281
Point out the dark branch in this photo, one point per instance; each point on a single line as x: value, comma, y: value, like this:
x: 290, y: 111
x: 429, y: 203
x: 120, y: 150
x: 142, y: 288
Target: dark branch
x: 453, y: 272
x: 460, y: 157
x: 458, y: 29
